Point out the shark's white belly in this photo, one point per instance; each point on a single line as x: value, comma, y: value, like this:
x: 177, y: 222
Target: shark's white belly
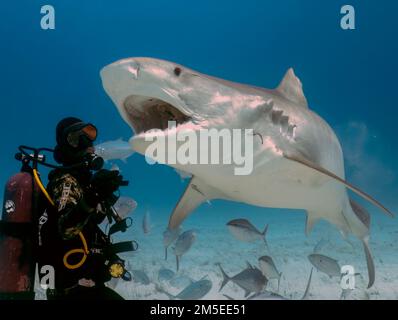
x: 281, y: 184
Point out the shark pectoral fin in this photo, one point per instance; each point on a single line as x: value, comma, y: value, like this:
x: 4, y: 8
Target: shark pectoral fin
x: 196, y: 193
x: 292, y: 89
x: 325, y: 172
x: 311, y: 220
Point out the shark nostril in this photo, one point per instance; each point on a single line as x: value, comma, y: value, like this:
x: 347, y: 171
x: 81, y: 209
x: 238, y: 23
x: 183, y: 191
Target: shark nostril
x: 134, y: 69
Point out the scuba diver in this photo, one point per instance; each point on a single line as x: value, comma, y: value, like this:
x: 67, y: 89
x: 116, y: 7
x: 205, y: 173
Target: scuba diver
x: 80, y: 197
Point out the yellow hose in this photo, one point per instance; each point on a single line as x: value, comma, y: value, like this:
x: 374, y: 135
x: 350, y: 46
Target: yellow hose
x: 83, y: 251
x: 42, y: 187
x: 73, y: 251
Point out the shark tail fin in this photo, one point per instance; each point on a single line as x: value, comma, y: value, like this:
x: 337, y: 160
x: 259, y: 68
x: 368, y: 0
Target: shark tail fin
x: 264, y: 233
x: 226, y: 278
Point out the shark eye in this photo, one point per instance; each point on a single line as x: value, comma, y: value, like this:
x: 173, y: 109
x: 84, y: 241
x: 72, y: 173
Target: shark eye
x: 177, y: 71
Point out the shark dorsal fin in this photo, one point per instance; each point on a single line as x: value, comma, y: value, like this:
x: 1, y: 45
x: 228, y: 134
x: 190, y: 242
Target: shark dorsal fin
x: 292, y: 89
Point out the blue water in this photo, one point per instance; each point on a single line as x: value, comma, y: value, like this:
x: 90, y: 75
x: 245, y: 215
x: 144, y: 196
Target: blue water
x: 349, y: 77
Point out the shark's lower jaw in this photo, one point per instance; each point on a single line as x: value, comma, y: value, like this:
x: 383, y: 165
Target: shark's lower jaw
x: 148, y: 113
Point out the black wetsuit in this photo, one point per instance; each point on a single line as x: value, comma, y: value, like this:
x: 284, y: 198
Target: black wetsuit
x: 74, y: 211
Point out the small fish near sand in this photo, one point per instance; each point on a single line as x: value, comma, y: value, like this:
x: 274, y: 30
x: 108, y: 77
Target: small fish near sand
x: 268, y: 295
x: 169, y: 236
x: 125, y: 206
x: 268, y: 268
x: 195, y: 291
x: 114, y: 150
x: 325, y: 264
x: 165, y: 274
x: 140, y: 276
x: 146, y: 223
x: 250, y: 279
x: 243, y: 230
x: 183, y: 244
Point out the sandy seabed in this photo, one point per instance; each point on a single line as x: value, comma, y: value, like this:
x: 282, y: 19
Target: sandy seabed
x: 288, y: 246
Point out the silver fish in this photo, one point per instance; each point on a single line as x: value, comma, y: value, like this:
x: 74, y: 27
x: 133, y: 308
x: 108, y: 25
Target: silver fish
x: 183, y: 244
x: 169, y: 236
x: 115, y: 149
x: 325, y: 264
x: 250, y: 279
x: 125, y: 206
x: 165, y: 274
x: 268, y: 268
x: 243, y: 230
x: 194, y: 291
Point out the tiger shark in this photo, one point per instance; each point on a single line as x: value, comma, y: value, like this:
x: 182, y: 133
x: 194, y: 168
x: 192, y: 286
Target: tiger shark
x: 297, y: 158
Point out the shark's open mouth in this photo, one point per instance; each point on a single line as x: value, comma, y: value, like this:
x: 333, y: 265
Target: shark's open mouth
x: 146, y: 113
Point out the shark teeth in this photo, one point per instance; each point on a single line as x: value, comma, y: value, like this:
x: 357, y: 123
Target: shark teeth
x: 147, y: 113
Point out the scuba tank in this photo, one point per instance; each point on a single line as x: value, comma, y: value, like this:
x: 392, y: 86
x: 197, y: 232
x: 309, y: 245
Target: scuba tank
x: 17, y: 225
